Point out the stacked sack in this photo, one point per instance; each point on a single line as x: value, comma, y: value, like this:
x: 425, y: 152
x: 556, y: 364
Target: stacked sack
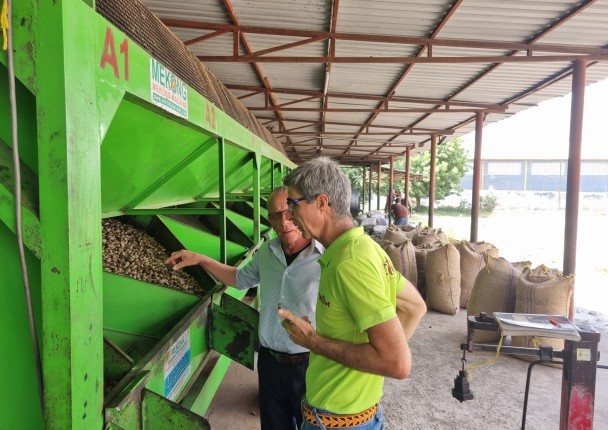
x: 400, y: 248
x: 493, y: 291
x: 542, y: 291
x: 443, y: 279
x: 374, y: 224
x: 471, y: 262
x: 421, y: 257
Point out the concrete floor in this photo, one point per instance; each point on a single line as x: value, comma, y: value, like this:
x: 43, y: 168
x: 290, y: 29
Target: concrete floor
x: 424, y: 400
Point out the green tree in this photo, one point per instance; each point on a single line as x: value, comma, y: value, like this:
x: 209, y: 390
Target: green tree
x: 355, y: 176
x: 450, y: 167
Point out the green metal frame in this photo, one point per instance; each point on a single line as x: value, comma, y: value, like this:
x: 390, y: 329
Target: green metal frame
x: 93, y: 145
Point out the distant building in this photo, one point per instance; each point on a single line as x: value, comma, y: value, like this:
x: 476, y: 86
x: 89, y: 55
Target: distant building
x: 537, y: 175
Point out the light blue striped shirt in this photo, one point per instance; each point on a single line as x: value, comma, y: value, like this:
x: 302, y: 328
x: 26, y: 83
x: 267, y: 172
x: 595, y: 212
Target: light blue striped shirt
x: 294, y: 287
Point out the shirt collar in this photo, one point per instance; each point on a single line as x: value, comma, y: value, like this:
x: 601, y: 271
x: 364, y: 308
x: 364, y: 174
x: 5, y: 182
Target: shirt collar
x: 335, y: 247
x: 314, y: 245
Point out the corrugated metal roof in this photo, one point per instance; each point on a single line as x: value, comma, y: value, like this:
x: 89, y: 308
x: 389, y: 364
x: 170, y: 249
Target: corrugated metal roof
x: 324, y: 73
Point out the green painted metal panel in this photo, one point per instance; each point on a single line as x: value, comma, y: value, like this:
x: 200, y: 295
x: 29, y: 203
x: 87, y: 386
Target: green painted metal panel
x: 161, y: 414
x: 232, y: 335
x: 239, y: 165
x: 18, y: 371
x: 166, y: 369
x: 202, y: 241
x: 24, y: 49
x: 70, y: 211
x: 200, y: 404
x: 141, y: 308
x: 242, y: 223
x: 139, y: 148
x: 26, y: 126
x: 29, y: 200
x: 91, y: 136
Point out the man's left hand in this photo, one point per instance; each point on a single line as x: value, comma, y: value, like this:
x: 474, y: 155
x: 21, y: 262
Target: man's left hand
x: 300, y: 329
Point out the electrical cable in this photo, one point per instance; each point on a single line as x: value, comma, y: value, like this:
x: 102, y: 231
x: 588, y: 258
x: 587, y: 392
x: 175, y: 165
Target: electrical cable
x: 18, y: 223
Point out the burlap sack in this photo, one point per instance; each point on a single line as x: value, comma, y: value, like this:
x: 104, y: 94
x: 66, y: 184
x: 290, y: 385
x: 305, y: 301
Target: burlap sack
x: 471, y: 262
x: 428, y: 235
x: 493, y: 291
x: 521, y: 265
x: 395, y: 235
x: 542, y: 291
x: 485, y: 247
x: 403, y: 257
x: 442, y: 237
x: 411, y: 232
x: 421, y: 254
x: 443, y: 279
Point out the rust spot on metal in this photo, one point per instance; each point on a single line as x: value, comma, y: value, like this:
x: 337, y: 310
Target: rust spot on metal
x: 55, y: 270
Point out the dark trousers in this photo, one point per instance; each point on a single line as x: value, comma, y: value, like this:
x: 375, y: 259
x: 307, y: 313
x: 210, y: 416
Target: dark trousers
x: 282, y: 388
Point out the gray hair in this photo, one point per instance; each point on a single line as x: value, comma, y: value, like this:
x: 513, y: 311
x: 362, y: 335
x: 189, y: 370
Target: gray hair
x: 273, y: 193
x: 322, y: 175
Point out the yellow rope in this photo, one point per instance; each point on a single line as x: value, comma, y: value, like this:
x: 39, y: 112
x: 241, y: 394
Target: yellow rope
x: 468, y: 369
x: 4, y: 24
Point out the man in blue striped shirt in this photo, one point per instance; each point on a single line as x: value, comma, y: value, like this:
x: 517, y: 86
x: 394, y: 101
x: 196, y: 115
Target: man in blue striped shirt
x: 288, y: 274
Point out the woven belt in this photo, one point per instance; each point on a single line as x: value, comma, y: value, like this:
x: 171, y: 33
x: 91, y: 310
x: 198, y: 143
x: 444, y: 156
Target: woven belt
x: 283, y: 358
x: 338, y: 421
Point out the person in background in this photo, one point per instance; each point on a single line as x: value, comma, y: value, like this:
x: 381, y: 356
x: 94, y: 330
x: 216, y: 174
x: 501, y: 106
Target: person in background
x: 400, y: 212
x: 288, y: 274
x: 366, y: 310
x: 391, y: 199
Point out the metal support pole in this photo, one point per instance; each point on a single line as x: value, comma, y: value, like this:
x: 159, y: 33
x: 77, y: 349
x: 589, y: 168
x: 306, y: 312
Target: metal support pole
x: 221, y: 158
x: 476, y: 176
x: 406, y: 191
x: 369, y: 197
x: 257, y: 161
x: 391, y: 190
x: 363, y: 188
x: 432, y: 179
x: 378, y: 189
x: 70, y: 214
x: 574, y: 171
x: 272, y: 174
x: 578, y: 382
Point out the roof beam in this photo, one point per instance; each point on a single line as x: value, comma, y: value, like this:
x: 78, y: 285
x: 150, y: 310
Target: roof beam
x: 312, y: 122
x: 572, y: 13
x: 381, y: 110
x: 329, y: 146
x: 452, y: 10
x: 238, y: 38
x: 402, y: 40
x: 356, y: 96
x: 340, y: 133
x: 331, y: 51
x: 407, y: 60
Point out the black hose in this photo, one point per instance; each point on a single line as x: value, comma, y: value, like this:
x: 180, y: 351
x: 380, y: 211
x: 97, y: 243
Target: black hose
x: 18, y: 224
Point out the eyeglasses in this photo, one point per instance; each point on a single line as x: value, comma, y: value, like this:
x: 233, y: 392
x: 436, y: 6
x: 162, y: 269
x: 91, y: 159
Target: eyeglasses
x: 276, y: 216
x: 293, y: 203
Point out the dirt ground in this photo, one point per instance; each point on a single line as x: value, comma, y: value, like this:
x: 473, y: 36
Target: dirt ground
x: 424, y: 400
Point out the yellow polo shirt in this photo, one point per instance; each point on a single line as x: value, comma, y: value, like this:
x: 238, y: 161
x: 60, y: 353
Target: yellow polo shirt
x: 357, y: 291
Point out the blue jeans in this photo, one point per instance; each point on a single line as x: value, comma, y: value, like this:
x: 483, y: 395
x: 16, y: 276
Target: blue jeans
x: 376, y: 423
x: 401, y: 221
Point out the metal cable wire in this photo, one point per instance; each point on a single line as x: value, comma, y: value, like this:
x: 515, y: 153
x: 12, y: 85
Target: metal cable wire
x: 18, y: 223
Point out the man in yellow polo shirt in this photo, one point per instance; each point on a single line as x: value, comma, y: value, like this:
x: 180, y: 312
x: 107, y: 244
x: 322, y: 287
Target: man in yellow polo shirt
x: 366, y: 310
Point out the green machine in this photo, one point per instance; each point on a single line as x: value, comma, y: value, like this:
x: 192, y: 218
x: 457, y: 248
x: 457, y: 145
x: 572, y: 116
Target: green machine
x: 110, y: 131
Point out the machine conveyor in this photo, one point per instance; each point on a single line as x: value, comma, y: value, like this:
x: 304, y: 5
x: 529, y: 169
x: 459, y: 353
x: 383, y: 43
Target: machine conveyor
x: 107, y: 131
